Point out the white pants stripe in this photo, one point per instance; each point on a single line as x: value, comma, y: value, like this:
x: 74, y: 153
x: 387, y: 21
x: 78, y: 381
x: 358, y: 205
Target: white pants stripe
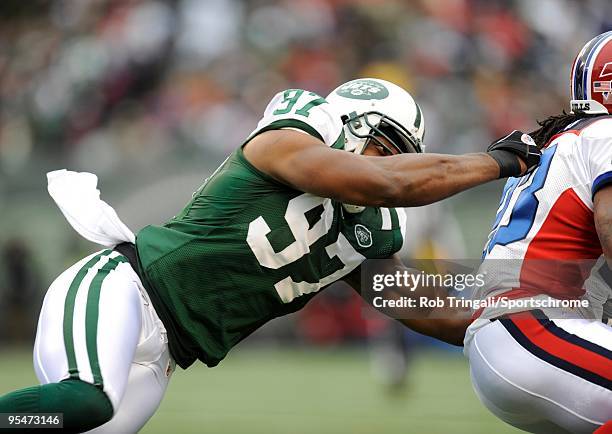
x: 79, y: 323
x: 131, y: 343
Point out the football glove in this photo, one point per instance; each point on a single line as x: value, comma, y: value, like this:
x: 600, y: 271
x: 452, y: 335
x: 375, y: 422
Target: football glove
x: 515, y: 144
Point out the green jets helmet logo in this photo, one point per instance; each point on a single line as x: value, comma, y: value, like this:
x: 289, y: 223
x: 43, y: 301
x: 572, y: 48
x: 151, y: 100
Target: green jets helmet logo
x: 363, y: 89
x: 363, y: 236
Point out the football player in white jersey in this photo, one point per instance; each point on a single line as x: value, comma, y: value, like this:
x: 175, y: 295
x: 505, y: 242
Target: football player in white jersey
x: 549, y: 369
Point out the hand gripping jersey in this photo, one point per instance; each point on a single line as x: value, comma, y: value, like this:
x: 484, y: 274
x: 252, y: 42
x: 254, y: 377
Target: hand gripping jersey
x: 543, y: 240
x: 247, y: 248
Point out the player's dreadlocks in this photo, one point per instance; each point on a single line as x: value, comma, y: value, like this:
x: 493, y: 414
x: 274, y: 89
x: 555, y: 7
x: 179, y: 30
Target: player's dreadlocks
x: 555, y: 124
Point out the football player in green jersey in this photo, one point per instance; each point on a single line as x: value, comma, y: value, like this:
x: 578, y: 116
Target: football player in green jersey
x: 302, y: 203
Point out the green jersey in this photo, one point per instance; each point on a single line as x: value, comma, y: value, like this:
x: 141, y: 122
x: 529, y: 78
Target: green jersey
x: 247, y: 248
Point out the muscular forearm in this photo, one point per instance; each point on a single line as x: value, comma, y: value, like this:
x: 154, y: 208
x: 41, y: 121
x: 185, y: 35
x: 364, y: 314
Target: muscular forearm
x: 447, y: 323
x: 605, y: 236
x: 428, y: 178
x: 603, y: 221
x: 305, y: 164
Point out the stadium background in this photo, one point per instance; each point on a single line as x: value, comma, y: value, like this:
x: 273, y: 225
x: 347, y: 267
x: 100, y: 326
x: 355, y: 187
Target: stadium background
x: 151, y: 95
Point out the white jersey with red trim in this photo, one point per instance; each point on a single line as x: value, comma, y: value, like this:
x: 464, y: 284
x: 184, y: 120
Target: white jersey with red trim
x: 543, y: 242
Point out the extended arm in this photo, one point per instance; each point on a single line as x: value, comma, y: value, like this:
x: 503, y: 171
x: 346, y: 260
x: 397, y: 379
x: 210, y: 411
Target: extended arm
x: 306, y: 164
x: 443, y: 323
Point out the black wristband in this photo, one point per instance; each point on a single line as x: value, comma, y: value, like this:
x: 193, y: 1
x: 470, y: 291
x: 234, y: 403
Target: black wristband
x: 508, y: 163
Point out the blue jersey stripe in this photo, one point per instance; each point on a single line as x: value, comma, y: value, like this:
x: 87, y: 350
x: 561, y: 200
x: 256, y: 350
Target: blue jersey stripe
x: 600, y: 182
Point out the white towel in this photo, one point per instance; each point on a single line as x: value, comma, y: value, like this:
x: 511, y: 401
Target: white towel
x: 77, y: 196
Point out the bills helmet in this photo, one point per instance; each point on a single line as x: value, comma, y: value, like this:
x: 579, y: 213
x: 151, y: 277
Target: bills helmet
x: 371, y: 108
x: 591, y: 77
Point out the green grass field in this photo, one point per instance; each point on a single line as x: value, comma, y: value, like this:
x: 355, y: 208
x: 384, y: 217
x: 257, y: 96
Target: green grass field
x: 280, y: 391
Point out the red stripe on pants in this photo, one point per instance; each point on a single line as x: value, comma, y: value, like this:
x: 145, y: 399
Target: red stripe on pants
x: 558, y: 347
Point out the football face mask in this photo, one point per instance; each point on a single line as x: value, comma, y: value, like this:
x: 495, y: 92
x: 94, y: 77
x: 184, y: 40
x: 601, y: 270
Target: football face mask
x: 373, y: 125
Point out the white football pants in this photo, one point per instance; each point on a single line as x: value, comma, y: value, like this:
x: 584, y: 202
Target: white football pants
x: 97, y: 324
x: 542, y: 375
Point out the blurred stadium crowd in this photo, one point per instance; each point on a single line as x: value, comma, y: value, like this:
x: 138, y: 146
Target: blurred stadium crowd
x: 99, y: 84
x: 156, y: 75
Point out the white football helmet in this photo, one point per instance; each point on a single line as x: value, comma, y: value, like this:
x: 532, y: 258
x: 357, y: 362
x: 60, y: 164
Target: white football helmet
x: 371, y: 108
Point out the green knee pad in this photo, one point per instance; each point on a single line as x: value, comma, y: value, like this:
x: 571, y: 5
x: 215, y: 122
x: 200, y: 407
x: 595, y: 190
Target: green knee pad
x: 84, y: 405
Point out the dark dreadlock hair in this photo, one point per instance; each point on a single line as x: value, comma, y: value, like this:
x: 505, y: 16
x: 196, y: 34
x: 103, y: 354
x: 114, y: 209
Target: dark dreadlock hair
x: 555, y: 124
